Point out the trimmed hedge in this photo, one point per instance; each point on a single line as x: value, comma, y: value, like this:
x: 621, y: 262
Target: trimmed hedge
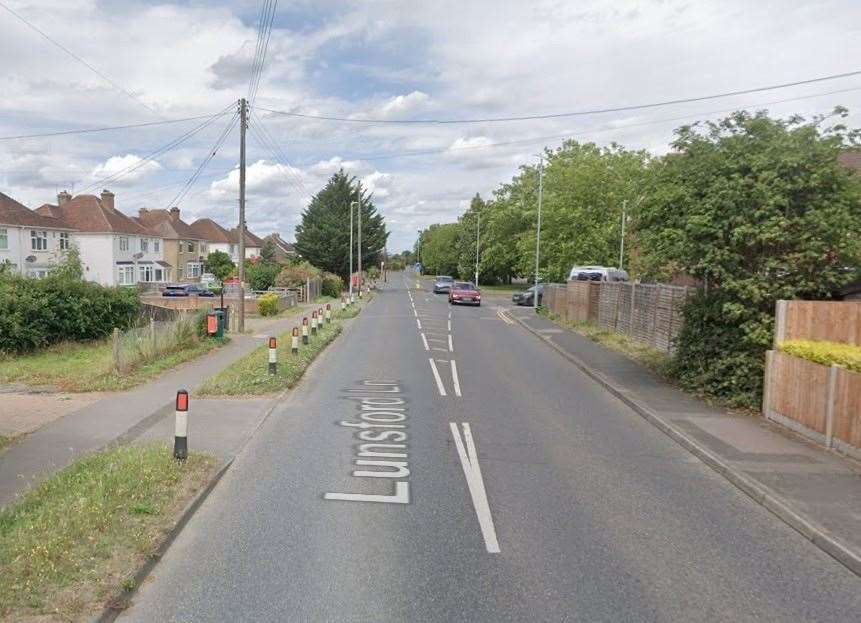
x: 267, y: 305
x: 826, y: 353
x: 35, y: 313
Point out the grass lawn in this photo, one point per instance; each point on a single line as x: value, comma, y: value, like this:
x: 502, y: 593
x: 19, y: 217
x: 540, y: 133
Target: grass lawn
x: 73, y: 541
x: 250, y: 375
x: 88, y: 367
x: 652, y: 358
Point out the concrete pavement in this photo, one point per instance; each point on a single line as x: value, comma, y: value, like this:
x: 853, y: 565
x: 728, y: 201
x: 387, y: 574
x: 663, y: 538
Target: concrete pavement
x: 553, y: 503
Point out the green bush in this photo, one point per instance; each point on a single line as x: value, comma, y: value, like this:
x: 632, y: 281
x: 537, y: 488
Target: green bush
x: 35, y: 313
x: 719, y: 353
x: 333, y: 285
x: 295, y: 275
x: 267, y: 305
x: 261, y: 275
x: 825, y: 353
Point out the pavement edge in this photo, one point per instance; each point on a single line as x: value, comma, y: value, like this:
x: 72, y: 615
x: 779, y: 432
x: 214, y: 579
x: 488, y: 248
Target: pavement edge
x: 759, y: 493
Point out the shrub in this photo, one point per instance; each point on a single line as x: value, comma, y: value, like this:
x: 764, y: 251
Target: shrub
x: 295, y: 276
x: 825, y: 353
x: 333, y: 285
x: 261, y: 275
x: 35, y: 313
x: 267, y: 305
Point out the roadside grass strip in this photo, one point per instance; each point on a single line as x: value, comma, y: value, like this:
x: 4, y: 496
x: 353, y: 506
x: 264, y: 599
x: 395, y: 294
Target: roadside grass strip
x: 88, y: 367
x: 4, y: 441
x: 250, y: 375
x: 79, y: 537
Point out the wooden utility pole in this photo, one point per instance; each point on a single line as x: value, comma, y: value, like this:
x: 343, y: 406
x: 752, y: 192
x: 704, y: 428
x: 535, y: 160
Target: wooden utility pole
x: 360, y: 246
x: 243, y: 125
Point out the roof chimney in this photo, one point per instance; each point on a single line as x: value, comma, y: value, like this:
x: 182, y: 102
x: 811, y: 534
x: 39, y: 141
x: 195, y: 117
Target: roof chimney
x: 108, y: 199
x: 174, y: 213
x: 63, y: 198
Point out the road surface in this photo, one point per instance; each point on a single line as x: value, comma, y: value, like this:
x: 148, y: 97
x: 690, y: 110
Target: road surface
x: 442, y: 464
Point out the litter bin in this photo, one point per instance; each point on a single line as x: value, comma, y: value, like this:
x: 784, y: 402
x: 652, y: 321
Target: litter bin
x: 225, y: 311
x: 215, y: 323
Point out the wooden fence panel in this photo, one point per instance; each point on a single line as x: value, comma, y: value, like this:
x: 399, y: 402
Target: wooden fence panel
x: 799, y: 391
x: 847, y: 408
x: 834, y: 321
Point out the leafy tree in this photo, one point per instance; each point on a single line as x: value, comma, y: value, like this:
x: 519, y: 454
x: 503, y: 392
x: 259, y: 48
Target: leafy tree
x: 758, y: 209
x: 296, y: 275
x: 439, y: 249
x: 261, y: 275
x: 221, y: 266
x: 267, y: 252
x: 323, y: 237
x: 69, y: 267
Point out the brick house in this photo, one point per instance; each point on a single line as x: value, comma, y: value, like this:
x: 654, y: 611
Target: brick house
x: 184, y: 249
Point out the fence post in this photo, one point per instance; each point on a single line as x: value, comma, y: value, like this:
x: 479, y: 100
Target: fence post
x: 633, y: 300
x: 656, y: 301
x: 829, y: 409
x: 767, y: 383
x: 779, y: 322
x: 152, y: 332
x: 116, y: 349
x: 307, y: 289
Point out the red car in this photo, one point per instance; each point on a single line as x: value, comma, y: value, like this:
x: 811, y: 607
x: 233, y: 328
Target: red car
x: 464, y: 292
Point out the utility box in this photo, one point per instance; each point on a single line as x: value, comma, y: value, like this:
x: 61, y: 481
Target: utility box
x: 215, y: 324
x: 225, y: 311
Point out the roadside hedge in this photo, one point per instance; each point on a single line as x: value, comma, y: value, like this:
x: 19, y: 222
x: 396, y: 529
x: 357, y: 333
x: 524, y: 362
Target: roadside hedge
x: 332, y: 285
x: 35, y: 313
x: 825, y: 353
x: 267, y: 305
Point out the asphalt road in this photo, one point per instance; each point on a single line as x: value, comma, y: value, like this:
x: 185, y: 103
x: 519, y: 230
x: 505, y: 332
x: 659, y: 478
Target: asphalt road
x: 524, y: 493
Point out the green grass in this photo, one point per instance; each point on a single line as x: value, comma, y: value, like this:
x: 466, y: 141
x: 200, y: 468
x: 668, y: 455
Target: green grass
x: 74, y: 540
x: 88, y: 367
x: 4, y: 441
x: 250, y: 375
x: 644, y: 354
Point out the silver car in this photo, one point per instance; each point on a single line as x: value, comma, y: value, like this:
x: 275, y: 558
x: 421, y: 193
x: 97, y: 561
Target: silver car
x: 442, y: 284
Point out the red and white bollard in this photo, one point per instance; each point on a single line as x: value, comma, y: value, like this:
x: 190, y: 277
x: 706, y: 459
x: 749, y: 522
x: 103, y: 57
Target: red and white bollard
x: 273, y: 356
x: 305, y: 330
x: 180, y: 435
x: 328, y: 313
x: 294, y: 344
x: 314, y: 322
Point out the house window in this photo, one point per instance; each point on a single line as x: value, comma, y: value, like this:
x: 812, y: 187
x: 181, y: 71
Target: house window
x: 38, y: 240
x: 144, y: 245
x: 159, y: 274
x: 194, y: 269
x: 233, y: 249
x: 146, y: 274
x: 64, y: 241
x: 4, y: 239
x: 156, y: 246
x: 124, y: 244
x: 126, y: 275
x: 191, y: 247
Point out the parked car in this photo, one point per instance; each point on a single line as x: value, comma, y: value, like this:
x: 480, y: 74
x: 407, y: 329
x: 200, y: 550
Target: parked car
x: 597, y: 273
x: 208, y: 280
x: 186, y: 289
x: 442, y: 284
x: 527, y: 297
x: 464, y: 292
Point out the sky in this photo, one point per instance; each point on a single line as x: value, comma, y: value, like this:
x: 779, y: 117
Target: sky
x: 140, y: 62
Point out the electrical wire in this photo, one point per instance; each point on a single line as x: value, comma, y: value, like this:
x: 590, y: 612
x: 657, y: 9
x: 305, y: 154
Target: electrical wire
x: 286, y: 170
x: 101, y: 75
x: 595, y: 111
x: 264, y: 33
x: 273, y: 143
x: 105, y: 128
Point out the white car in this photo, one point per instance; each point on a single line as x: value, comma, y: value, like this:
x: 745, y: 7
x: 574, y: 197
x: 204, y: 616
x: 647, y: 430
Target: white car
x: 597, y: 273
x: 208, y: 280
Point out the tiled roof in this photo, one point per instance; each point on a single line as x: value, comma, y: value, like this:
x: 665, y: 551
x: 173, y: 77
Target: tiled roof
x: 17, y: 214
x: 166, y: 226
x: 250, y: 239
x: 87, y: 213
x: 209, y: 230
x: 278, y: 241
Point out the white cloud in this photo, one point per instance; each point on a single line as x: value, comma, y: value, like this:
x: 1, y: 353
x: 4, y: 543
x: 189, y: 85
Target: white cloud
x: 133, y: 168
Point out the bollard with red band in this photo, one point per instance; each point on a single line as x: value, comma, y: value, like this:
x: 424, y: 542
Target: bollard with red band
x: 305, y: 330
x: 294, y: 344
x: 273, y: 356
x: 314, y: 322
x: 328, y: 313
x: 180, y: 436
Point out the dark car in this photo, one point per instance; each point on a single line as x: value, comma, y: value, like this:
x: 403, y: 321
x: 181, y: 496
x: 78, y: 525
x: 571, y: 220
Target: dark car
x: 527, y: 296
x: 187, y: 289
x: 464, y: 292
x: 442, y: 284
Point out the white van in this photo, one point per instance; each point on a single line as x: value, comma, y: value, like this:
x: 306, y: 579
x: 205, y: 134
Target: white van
x: 597, y: 273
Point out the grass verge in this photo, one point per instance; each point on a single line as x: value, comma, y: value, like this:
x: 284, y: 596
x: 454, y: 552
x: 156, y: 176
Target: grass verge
x: 250, y: 375
x: 74, y: 367
x: 4, y: 441
x: 74, y: 540
x: 655, y: 360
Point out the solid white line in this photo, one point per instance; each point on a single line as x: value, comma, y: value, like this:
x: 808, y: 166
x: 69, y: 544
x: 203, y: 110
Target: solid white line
x: 450, y: 345
x: 449, y: 325
x: 454, y: 378
x: 472, y: 472
x: 419, y: 323
x: 415, y: 312
x: 439, y: 384
x: 425, y: 341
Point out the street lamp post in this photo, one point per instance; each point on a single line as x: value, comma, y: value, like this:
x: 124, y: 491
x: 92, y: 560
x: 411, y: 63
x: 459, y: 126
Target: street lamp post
x: 359, y: 259
x: 622, y: 239
x: 477, y: 237
x: 350, y: 277
x: 419, y: 249
x: 538, y: 229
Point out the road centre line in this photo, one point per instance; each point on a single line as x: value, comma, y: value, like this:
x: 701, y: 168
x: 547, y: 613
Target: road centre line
x: 449, y: 325
x: 454, y: 378
x: 440, y: 387
x: 450, y: 345
x: 472, y: 472
x: 419, y: 323
x: 425, y: 341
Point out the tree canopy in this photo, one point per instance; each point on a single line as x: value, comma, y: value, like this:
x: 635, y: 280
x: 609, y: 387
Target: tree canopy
x: 323, y: 237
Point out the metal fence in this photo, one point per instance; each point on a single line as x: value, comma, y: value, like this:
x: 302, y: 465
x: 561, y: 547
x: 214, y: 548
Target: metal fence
x: 649, y: 313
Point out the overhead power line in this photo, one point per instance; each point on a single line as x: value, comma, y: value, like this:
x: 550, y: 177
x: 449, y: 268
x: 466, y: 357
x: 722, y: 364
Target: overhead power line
x: 579, y: 113
x: 264, y: 32
x: 105, y: 128
x: 115, y: 85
